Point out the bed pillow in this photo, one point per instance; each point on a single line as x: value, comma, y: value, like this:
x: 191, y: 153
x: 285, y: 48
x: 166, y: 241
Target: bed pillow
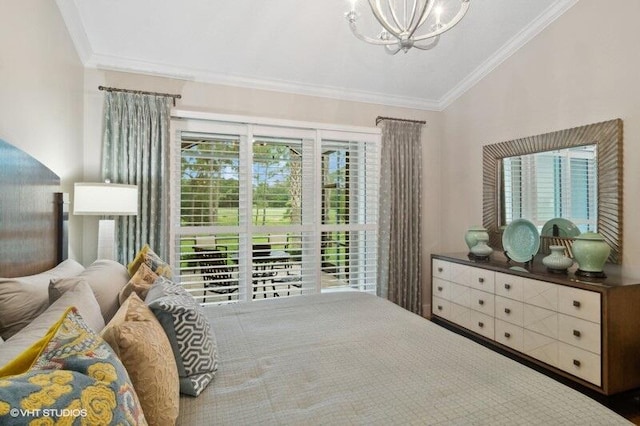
x: 75, y: 373
x: 140, y: 283
x: 153, y: 261
x: 79, y: 296
x: 189, y: 332
x: 105, y: 277
x: 24, y: 298
x: 138, y: 339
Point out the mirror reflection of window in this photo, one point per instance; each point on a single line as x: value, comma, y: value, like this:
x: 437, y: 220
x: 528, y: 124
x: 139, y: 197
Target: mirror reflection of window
x: 551, y: 184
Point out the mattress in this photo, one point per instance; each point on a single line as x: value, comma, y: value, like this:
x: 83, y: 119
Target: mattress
x: 354, y: 358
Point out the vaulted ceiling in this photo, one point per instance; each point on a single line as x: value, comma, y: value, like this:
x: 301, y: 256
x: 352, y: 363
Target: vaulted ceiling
x: 298, y: 46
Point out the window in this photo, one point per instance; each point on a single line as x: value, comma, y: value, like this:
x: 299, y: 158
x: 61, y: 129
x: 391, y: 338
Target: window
x: 547, y: 185
x: 261, y: 211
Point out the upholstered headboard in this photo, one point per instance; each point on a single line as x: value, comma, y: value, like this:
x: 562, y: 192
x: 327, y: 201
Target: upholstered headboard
x: 33, y: 215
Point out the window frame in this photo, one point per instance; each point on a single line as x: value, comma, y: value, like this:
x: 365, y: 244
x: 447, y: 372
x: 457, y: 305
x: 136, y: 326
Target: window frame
x: 246, y: 128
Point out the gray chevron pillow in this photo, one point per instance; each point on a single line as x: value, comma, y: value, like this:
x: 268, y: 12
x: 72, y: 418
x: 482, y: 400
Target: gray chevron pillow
x: 189, y: 332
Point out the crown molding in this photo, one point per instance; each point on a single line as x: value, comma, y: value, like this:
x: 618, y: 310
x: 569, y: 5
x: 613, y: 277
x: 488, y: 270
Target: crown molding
x: 552, y: 13
x: 111, y: 63
x: 90, y: 59
x: 69, y: 12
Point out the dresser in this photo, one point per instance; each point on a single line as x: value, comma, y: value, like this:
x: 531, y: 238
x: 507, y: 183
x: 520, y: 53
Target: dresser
x: 587, y: 330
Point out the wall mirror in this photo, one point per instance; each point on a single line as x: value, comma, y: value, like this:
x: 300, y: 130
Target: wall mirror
x: 574, y: 173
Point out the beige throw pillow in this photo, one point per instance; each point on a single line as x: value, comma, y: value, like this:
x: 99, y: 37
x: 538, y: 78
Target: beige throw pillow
x: 105, y: 277
x: 140, y: 283
x: 80, y: 296
x: 138, y: 339
x: 22, y: 299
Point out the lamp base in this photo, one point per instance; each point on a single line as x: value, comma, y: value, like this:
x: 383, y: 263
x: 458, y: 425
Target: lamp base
x: 106, y: 239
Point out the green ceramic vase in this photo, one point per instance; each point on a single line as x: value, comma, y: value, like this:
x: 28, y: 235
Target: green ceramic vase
x: 481, y: 249
x: 591, y: 251
x: 472, y: 234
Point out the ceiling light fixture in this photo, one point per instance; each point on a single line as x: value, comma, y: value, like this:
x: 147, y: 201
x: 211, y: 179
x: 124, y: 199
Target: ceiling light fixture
x: 401, y: 20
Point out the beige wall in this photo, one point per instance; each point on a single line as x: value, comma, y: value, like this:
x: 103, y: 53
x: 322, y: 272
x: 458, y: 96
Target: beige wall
x: 238, y: 101
x: 41, y: 99
x: 582, y: 69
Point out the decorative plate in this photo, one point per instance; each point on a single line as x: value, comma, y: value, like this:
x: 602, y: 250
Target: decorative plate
x: 521, y: 240
x: 566, y: 228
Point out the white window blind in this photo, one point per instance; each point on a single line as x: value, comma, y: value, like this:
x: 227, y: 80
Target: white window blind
x: 552, y: 184
x: 263, y: 211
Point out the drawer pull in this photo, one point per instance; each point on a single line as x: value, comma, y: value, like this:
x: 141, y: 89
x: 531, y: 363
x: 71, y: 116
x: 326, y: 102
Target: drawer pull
x: 576, y: 363
x: 481, y: 302
x: 440, y: 269
x: 480, y: 280
x: 507, y: 311
x: 480, y: 324
x: 577, y: 333
x: 507, y: 286
x: 439, y: 307
x: 576, y: 303
x: 439, y: 288
x: 507, y: 335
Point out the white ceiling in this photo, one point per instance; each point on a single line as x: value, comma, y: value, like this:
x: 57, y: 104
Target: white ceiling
x: 299, y: 46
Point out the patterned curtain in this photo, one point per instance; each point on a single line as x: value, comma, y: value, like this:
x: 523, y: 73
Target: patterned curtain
x: 135, y: 150
x: 399, y: 239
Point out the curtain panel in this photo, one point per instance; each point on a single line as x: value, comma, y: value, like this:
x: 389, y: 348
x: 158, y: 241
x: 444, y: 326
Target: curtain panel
x: 135, y: 150
x: 399, y: 255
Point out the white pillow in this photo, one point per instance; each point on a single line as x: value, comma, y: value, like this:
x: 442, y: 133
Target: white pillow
x: 24, y: 298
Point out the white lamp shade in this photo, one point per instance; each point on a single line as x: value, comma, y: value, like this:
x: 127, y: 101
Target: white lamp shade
x: 107, y: 199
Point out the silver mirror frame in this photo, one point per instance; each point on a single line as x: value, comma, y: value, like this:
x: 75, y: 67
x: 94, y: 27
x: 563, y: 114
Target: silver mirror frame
x: 607, y: 135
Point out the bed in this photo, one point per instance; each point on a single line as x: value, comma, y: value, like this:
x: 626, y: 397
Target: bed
x: 348, y: 358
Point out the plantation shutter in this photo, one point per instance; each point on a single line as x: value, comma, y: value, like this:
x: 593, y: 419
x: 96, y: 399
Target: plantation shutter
x: 266, y: 211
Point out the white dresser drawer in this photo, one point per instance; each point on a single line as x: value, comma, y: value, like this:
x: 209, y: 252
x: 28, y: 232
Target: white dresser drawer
x: 483, y: 279
x: 579, y: 303
x: 540, y: 320
x: 460, y: 274
x: 441, y: 269
x: 460, y: 294
x: 459, y: 314
x: 509, y: 335
x: 540, y: 347
x: 580, y: 333
x: 509, y: 310
x: 580, y: 363
x: 481, y: 324
x: 482, y: 301
x: 540, y: 293
x: 509, y: 286
x: 440, y: 288
x: 440, y: 307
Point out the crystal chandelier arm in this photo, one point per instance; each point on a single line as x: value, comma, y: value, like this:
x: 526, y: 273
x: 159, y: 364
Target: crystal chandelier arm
x: 375, y: 8
x: 403, y: 26
x: 392, y: 50
x: 424, y: 14
x: 354, y: 30
x: 432, y: 43
x: 463, y: 10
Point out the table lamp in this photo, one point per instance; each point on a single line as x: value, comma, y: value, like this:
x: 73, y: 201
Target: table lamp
x: 105, y: 199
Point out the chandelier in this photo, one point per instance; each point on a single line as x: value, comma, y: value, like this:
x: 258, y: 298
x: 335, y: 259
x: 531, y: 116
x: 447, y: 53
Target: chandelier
x: 409, y: 23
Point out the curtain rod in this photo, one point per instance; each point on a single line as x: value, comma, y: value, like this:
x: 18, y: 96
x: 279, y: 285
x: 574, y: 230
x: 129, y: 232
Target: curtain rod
x: 141, y: 92
x: 380, y: 118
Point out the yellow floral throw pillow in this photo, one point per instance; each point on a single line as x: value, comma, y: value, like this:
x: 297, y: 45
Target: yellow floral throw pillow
x: 76, y: 379
x: 152, y: 260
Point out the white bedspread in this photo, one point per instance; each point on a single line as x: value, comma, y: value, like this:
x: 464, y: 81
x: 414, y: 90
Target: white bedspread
x: 352, y: 358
